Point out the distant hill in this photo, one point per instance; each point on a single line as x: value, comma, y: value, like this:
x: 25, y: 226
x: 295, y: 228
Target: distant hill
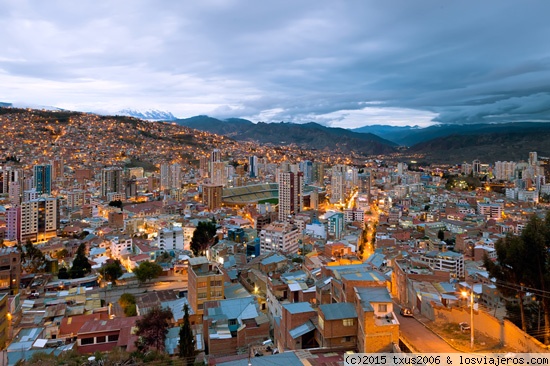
x: 308, y: 135
x: 409, y: 136
x: 486, y: 146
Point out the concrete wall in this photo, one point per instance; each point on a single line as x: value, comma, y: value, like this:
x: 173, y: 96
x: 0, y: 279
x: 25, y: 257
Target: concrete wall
x: 505, y: 331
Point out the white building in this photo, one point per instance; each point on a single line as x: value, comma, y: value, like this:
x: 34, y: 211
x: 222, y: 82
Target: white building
x: 279, y: 236
x: 445, y: 261
x: 120, y: 245
x: 170, y: 238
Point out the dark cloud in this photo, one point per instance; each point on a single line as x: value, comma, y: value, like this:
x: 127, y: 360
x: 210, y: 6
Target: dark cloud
x: 339, y: 63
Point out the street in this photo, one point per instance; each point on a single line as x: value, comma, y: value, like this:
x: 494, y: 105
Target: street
x: 422, y: 339
x: 113, y: 294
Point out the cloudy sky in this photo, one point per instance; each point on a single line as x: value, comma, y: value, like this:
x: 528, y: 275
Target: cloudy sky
x: 340, y: 63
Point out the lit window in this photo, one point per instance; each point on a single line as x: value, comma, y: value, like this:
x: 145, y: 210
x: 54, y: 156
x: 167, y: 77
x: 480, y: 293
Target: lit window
x: 348, y: 322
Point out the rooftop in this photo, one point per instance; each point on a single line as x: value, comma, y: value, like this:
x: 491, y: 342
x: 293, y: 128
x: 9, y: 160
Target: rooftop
x: 343, y: 310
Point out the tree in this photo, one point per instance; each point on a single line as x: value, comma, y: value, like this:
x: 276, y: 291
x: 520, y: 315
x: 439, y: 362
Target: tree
x: 111, y: 271
x: 81, y: 265
x: 63, y: 274
x: 523, y: 265
x: 62, y: 254
x: 187, y: 341
x: 203, y: 237
x: 509, y: 268
x: 128, y: 304
x: 147, y: 271
x: 32, y: 259
x: 441, y: 234
x: 152, y: 329
x: 116, y: 203
x: 536, y: 238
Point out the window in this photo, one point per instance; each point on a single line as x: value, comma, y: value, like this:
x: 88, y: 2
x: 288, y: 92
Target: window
x: 200, y: 306
x: 113, y: 338
x: 215, y: 283
x: 383, y: 308
x: 85, y: 341
x: 232, y: 322
x: 347, y: 322
x: 201, y: 295
x: 321, y: 322
x: 101, y: 339
x: 201, y: 284
x: 346, y: 339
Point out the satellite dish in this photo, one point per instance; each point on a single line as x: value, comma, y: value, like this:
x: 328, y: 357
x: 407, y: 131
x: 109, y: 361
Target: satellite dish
x: 91, y: 358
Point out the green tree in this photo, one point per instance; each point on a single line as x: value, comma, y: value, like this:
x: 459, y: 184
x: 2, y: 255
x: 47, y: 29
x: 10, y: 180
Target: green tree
x: 81, y: 265
x: 32, y: 259
x: 62, y: 254
x: 536, y: 239
x: 147, y: 271
x: 203, y: 237
x: 152, y: 329
x: 128, y: 304
x: 509, y: 268
x: 63, y: 274
x: 116, y: 203
x: 187, y: 340
x: 111, y: 271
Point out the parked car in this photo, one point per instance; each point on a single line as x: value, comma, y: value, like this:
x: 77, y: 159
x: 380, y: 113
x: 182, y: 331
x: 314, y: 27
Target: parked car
x: 406, y: 312
x: 464, y: 326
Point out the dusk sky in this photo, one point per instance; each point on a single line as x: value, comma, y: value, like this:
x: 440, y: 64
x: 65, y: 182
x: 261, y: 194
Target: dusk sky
x: 339, y: 63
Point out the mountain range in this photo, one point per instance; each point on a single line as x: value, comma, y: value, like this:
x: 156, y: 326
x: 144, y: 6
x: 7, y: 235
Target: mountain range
x: 446, y: 143
x: 439, y: 143
x: 151, y: 115
x: 307, y: 135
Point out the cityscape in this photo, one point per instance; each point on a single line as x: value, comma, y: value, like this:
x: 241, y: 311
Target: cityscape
x: 240, y: 183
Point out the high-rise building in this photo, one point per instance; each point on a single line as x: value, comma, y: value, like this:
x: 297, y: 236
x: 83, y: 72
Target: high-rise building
x: 253, y: 166
x: 476, y: 167
x: 291, y: 200
x: 205, y: 282
x: 318, y: 173
x: 505, y: 170
x: 203, y: 166
x: 58, y: 167
x: 43, y: 179
x: 35, y: 220
x: 14, y: 194
x: 9, y: 175
x: 533, y: 159
x: 219, y: 174
x: 337, y: 187
x: 170, y: 176
x: 306, y: 167
x: 111, y: 181
x: 216, y: 156
x: 212, y: 196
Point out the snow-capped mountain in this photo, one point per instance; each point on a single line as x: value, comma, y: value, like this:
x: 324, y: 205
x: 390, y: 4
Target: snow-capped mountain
x: 152, y: 115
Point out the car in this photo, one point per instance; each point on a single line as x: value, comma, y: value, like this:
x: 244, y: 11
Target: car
x: 406, y: 312
x: 464, y: 326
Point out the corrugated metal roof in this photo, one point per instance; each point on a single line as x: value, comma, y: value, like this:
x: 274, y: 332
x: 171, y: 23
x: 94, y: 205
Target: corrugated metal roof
x: 275, y: 258
x: 301, y: 329
x: 343, y: 310
x: 197, y: 260
x: 298, y: 307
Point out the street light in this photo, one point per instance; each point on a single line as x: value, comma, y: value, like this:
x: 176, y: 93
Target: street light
x: 465, y: 295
